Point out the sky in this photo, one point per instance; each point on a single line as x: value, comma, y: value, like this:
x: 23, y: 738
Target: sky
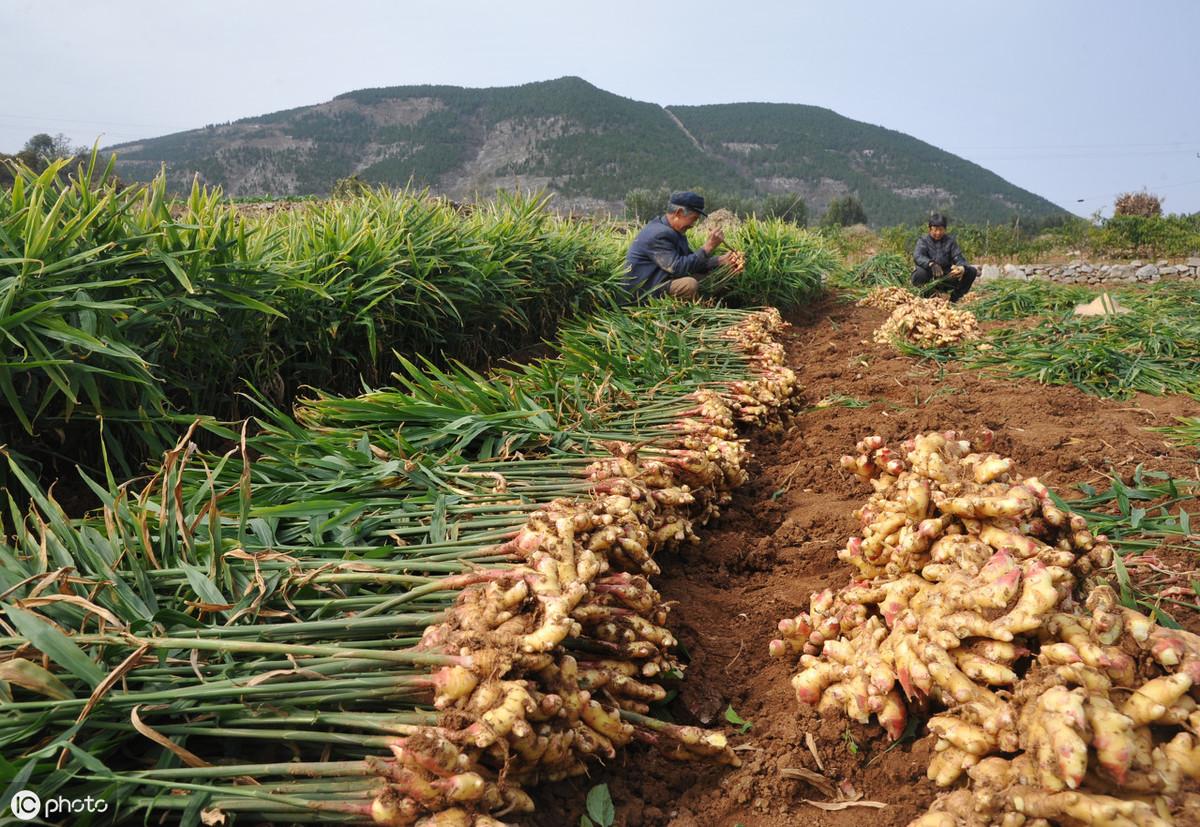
x: 1076, y: 101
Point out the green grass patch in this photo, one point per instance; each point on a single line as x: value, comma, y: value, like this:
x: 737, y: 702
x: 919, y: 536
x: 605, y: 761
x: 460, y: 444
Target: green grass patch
x: 1151, y: 349
x: 1140, y: 518
x: 1186, y: 432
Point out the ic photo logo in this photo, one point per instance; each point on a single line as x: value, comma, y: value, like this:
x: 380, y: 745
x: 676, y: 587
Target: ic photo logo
x: 26, y: 805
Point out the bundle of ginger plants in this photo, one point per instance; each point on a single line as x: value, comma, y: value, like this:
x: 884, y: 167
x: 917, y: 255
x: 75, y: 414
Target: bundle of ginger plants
x: 376, y: 552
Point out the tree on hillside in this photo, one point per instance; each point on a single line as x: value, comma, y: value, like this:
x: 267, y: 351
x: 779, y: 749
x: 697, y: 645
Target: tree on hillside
x: 643, y: 204
x: 786, y: 206
x: 48, y: 148
x: 844, y: 212
x: 39, y: 152
x: 1141, y: 203
x: 350, y: 187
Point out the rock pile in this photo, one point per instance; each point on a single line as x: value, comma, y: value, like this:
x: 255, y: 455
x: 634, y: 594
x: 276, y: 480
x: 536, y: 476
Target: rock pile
x: 1083, y: 272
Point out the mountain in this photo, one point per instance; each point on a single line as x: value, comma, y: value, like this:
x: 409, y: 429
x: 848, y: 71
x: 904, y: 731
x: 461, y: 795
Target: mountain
x: 587, y: 145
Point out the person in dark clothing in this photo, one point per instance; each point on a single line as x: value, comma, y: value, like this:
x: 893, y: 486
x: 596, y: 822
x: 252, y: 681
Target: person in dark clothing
x: 940, y: 263
x: 660, y: 261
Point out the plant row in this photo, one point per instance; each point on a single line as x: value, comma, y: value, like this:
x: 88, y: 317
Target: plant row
x: 126, y: 313
x: 406, y: 607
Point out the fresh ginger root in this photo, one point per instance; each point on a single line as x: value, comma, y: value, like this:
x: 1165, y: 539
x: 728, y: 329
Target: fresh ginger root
x: 1059, y: 705
x: 933, y: 322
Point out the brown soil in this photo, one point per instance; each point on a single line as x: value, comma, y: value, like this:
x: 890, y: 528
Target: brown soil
x: 776, y: 544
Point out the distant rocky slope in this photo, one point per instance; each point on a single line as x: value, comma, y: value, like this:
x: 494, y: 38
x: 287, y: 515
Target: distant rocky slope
x: 587, y: 145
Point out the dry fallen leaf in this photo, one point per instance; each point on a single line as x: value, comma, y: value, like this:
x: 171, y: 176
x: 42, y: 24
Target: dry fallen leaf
x: 814, y: 778
x: 833, y: 806
x: 812, y: 747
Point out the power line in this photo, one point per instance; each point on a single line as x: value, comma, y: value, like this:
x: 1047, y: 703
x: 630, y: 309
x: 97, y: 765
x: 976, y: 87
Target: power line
x: 1175, y: 185
x: 1079, y: 146
x: 88, y: 121
x: 1080, y: 156
x: 107, y: 137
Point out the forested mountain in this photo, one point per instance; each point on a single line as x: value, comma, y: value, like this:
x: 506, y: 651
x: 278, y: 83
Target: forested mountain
x: 589, y: 146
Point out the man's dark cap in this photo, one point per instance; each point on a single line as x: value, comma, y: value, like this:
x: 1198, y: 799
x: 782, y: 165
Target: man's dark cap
x: 690, y: 200
x: 936, y: 219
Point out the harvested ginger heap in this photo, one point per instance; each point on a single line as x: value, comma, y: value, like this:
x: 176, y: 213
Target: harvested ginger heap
x: 975, y: 604
x: 933, y: 322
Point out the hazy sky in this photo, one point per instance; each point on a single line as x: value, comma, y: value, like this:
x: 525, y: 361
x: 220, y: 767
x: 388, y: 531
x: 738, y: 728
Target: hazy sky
x: 1069, y: 99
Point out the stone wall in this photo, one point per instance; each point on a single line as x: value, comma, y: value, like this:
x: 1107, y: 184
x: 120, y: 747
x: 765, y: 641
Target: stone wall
x: 1084, y: 272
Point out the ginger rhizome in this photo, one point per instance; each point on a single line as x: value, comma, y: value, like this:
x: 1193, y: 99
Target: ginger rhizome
x: 977, y: 603
x: 928, y: 322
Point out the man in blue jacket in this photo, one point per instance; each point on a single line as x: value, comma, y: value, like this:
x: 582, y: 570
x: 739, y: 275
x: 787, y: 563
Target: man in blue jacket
x: 940, y: 263
x: 660, y: 261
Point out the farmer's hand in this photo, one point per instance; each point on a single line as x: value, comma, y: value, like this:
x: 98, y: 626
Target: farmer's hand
x: 936, y: 269
x: 715, y: 239
x: 733, y: 261
x: 956, y: 271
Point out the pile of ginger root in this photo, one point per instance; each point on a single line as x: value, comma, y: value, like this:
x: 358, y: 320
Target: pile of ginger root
x: 561, y: 654
x: 887, y: 298
x: 978, y: 604
x: 928, y: 322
